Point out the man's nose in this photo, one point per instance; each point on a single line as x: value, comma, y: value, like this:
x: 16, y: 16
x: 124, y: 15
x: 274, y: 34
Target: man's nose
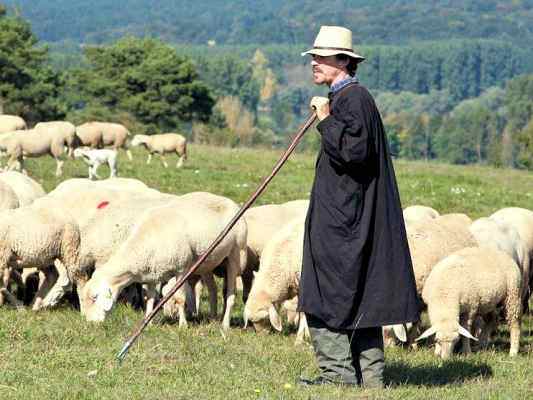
x: 313, y: 62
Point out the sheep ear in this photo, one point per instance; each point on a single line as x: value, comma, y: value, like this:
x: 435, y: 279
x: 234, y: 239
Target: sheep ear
x: 401, y: 332
x: 427, y: 333
x: 275, y: 320
x: 465, y: 333
x: 104, y: 298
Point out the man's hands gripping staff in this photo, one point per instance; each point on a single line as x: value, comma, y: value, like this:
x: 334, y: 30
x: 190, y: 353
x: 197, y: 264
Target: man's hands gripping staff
x: 321, y: 106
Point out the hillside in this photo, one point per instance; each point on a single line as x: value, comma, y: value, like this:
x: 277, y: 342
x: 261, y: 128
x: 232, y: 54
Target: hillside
x: 276, y: 21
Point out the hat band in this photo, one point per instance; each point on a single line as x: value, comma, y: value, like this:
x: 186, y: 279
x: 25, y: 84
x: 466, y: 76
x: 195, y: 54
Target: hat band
x: 332, y: 48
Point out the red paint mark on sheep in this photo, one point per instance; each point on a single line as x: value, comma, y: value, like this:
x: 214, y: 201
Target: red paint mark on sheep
x: 103, y: 204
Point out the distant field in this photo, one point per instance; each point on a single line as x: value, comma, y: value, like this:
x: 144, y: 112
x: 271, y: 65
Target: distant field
x: 57, y: 355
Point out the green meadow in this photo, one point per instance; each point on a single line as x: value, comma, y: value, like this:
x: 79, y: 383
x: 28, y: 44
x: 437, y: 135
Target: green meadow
x: 55, y: 354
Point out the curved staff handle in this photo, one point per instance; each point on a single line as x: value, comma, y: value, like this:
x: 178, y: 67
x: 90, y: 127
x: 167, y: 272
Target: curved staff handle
x: 122, y: 354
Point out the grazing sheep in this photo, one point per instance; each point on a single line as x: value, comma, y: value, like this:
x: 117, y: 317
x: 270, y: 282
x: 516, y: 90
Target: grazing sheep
x: 38, y: 236
x: 34, y: 143
x: 430, y: 241
x: 263, y: 222
x: 164, y: 243
x: 468, y: 284
x: 10, y: 123
x: 417, y: 213
x: 522, y: 220
x: 163, y: 144
x: 26, y: 189
x: 278, y: 278
x: 60, y: 129
x: 96, y: 157
x: 101, y: 134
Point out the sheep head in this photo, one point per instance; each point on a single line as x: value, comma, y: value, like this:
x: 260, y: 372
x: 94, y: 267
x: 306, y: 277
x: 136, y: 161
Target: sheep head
x: 97, y: 300
x: 446, y: 337
x: 261, y: 312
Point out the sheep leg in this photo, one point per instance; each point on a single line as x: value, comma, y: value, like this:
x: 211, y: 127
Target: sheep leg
x: 59, y: 167
x: 211, y: 284
x: 112, y: 162
x: 149, y: 159
x: 179, y: 164
x: 303, y: 330
x: 163, y: 159
x: 128, y: 153
x: 468, y: 321
x: 62, y: 285
x: 150, y: 293
x: 514, y: 329
x: 47, y: 279
x: 232, y: 271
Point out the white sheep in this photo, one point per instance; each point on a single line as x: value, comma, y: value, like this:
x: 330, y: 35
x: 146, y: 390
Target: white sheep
x: 431, y: 240
x: 417, y: 213
x: 522, y: 220
x: 101, y: 134
x: 164, y: 243
x: 60, y: 129
x: 10, y: 123
x: 96, y: 157
x: 38, y: 236
x: 263, y: 222
x: 498, y: 234
x: 163, y: 144
x: 34, y: 143
x: 26, y: 189
x: 278, y: 278
x: 468, y: 284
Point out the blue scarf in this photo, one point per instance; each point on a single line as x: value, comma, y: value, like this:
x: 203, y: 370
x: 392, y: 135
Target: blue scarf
x: 345, y: 82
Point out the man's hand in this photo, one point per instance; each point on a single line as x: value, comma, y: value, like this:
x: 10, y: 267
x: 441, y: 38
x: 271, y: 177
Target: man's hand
x: 321, y: 106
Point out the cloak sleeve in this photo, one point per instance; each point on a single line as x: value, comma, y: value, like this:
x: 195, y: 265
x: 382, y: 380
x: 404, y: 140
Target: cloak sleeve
x: 345, y: 141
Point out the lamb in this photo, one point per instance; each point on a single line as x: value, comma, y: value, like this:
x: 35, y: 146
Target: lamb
x: 522, y: 220
x: 96, y: 157
x: 162, y: 144
x: 38, y: 236
x: 26, y: 189
x: 100, y: 134
x: 10, y: 123
x: 467, y: 284
x: 278, y: 278
x: 164, y: 243
x: 34, y: 143
x: 417, y: 213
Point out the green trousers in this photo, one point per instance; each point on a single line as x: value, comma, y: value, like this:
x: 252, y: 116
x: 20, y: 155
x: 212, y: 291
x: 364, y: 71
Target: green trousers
x: 351, y: 357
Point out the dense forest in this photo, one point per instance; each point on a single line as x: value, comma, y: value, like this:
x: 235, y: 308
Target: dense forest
x: 276, y: 21
x: 453, y: 80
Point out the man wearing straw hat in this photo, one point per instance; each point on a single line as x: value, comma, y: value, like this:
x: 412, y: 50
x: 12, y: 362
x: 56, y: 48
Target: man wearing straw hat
x: 357, y: 274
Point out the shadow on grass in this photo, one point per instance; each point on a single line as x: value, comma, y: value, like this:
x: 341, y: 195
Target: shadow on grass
x: 451, y: 372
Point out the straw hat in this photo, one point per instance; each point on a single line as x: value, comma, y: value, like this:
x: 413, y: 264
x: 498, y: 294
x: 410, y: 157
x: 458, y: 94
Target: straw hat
x: 333, y: 40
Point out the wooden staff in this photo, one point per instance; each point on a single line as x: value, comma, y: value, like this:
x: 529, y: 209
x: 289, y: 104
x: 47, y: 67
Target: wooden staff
x: 122, y: 354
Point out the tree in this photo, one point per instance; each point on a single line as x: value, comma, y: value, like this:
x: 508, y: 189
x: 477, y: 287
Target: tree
x: 146, y: 78
x: 28, y: 87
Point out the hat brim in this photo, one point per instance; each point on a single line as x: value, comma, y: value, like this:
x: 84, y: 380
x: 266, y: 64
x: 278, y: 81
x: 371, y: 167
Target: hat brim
x: 331, y: 52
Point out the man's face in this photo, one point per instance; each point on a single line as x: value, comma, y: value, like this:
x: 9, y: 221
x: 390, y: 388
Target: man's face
x: 326, y: 69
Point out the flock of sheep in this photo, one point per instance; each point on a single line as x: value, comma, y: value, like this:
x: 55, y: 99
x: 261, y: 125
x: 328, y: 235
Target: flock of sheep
x: 107, y: 238
x: 61, y: 138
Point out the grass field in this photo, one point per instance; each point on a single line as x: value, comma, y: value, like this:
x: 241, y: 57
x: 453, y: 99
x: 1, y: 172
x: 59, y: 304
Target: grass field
x: 57, y: 355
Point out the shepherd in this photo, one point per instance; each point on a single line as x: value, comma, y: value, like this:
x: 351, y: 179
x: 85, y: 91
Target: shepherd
x: 357, y: 274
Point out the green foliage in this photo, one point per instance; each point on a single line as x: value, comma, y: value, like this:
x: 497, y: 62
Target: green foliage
x: 28, y: 87
x: 253, y: 21
x: 145, y: 78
